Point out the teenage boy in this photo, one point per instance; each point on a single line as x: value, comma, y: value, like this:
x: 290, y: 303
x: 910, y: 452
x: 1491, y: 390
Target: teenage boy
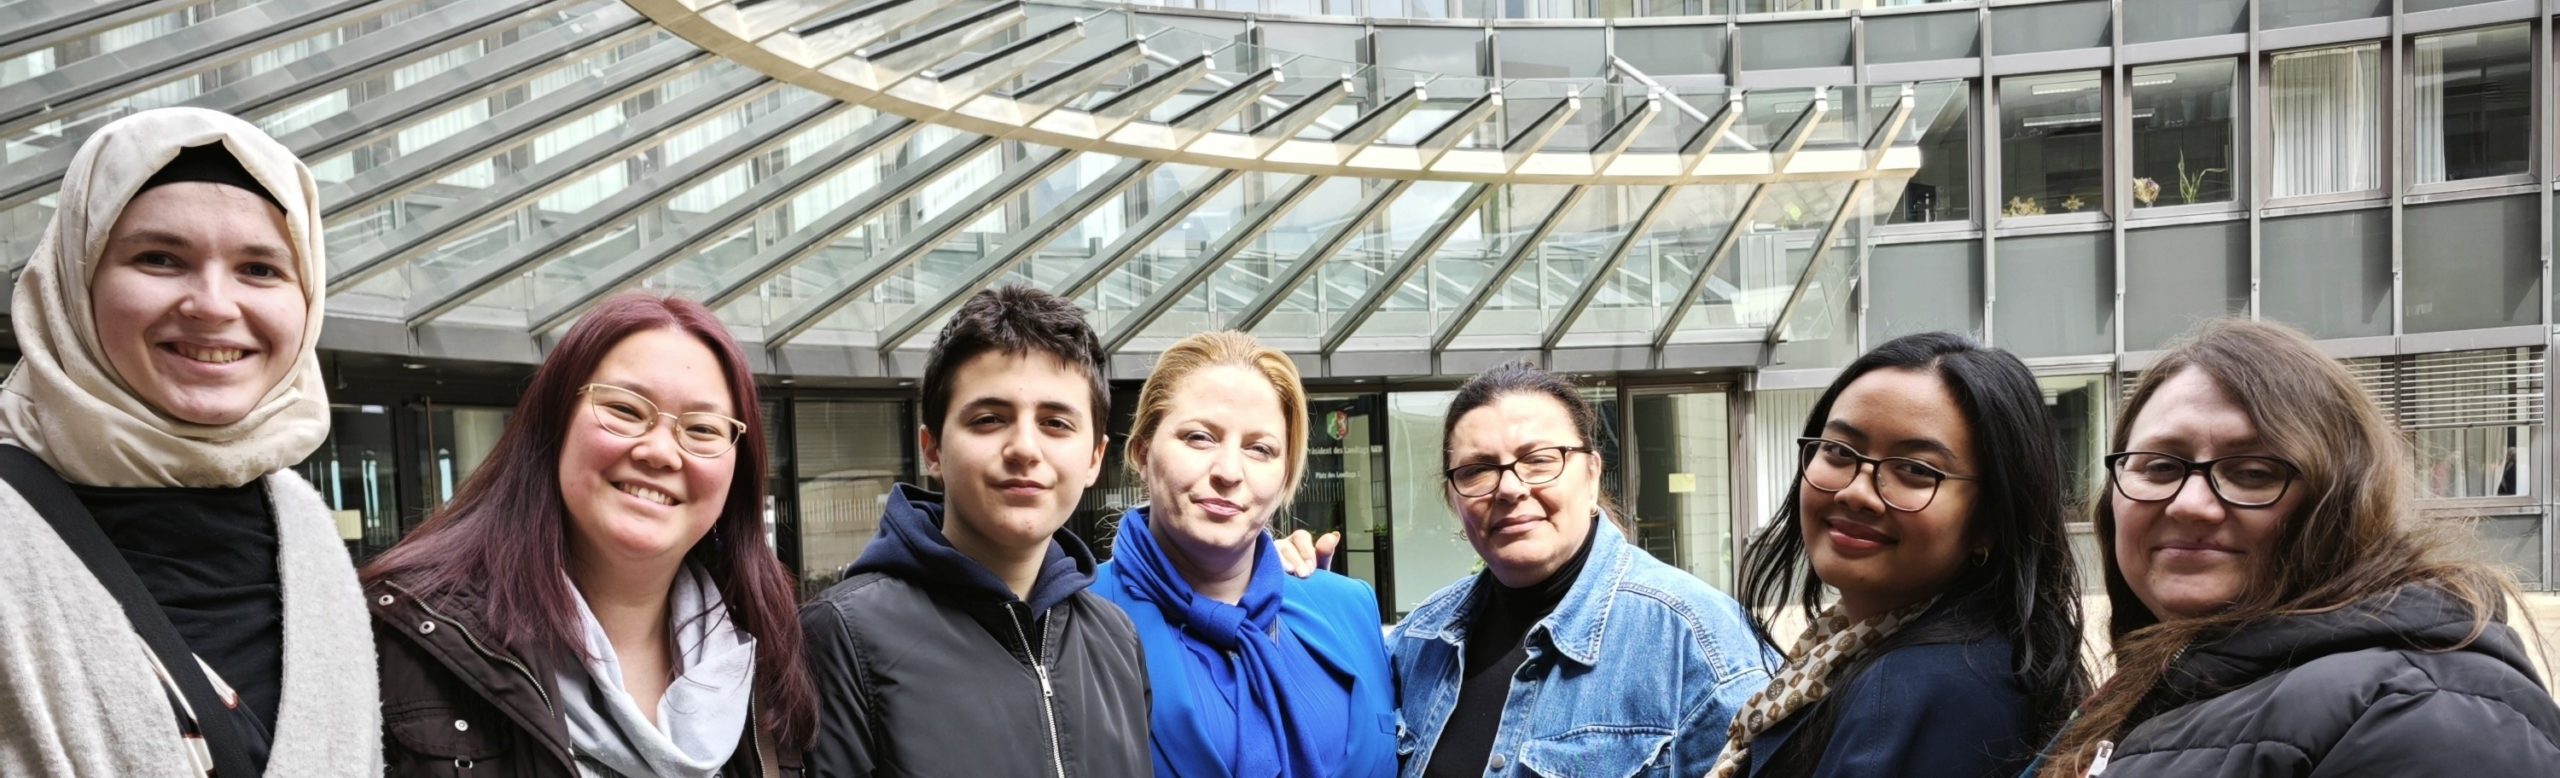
x: 963, y: 642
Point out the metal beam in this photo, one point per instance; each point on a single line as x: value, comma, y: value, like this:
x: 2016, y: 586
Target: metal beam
x: 1461, y: 124
x: 1610, y: 145
x: 655, y: 188
x: 1083, y: 77
x: 969, y: 80
x: 1644, y: 223
x: 1021, y: 246
x: 325, y: 72
x: 1019, y: 175
x: 1781, y: 156
x: 867, y: 24
x: 79, y: 86
x: 1137, y: 238
x: 1313, y: 259
x: 1131, y: 105
x: 417, y: 168
x: 1371, y: 126
x: 1287, y: 122
x: 1243, y: 234
x: 1405, y: 266
x: 1529, y: 140
x: 815, y: 235
x: 28, y: 26
x: 1202, y: 118
x: 1876, y: 148
x: 1501, y: 275
x: 712, y: 227
x: 422, y: 236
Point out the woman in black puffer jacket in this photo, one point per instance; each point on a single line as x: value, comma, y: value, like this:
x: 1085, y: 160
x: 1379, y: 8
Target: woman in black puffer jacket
x: 2279, y: 607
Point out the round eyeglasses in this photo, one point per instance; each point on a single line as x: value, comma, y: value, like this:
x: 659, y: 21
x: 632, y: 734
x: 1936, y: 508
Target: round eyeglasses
x: 1905, y: 484
x: 1536, y: 467
x: 2243, y: 481
x: 625, y: 413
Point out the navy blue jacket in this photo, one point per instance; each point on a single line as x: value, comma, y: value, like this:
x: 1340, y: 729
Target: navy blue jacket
x: 1937, y: 709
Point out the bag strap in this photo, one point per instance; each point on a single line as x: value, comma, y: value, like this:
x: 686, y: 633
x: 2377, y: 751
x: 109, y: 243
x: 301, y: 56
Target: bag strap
x: 45, y: 491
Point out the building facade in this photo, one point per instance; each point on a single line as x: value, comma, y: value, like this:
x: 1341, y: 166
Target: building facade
x: 1699, y: 208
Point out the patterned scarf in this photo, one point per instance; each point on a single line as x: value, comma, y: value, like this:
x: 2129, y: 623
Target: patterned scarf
x: 1829, y: 642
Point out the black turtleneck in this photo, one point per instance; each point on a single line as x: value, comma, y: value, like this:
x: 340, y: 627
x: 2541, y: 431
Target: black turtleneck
x: 1497, y: 644
x: 209, y: 557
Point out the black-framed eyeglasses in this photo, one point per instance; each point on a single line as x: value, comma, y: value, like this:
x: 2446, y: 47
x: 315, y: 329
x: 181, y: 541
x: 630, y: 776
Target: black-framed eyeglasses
x: 1536, y: 467
x: 627, y: 414
x: 2242, y: 481
x: 1905, y: 484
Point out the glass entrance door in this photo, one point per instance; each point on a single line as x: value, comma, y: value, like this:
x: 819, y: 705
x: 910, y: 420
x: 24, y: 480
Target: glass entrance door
x: 1681, y: 474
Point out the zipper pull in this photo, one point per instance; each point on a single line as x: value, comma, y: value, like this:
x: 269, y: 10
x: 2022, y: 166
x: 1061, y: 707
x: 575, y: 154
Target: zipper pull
x: 2098, y: 764
x: 1045, y: 691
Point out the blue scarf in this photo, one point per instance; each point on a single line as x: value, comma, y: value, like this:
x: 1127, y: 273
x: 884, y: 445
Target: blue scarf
x: 1289, y: 708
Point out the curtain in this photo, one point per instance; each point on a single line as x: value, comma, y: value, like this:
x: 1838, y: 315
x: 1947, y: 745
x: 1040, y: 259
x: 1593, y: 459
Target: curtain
x: 2327, y: 111
x: 2426, y: 113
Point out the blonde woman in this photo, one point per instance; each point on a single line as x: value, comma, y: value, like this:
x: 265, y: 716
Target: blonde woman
x: 1254, y: 671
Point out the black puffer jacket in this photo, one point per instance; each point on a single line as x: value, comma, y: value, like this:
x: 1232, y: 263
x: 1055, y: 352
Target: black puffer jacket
x: 2355, y: 692
x: 924, y: 664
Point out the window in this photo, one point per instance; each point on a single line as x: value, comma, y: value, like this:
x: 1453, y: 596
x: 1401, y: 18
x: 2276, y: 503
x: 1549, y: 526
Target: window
x: 1942, y: 190
x: 2326, y: 107
x: 2053, y: 146
x: 2182, y: 133
x: 2472, y: 111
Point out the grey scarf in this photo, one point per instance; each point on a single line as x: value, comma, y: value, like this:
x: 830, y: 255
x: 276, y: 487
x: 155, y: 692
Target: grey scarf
x: 704, y: 711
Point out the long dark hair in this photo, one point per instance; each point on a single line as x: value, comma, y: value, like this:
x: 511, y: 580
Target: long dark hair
x: 2025, y: 591
x: 2356, y: 538
x: 505, y: 532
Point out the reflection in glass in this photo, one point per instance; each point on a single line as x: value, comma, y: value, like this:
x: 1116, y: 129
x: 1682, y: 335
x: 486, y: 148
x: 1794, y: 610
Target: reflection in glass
x: 849, y: 453
x: 1684, y: 489
x: 2183, y: 134
x: 2471, y: 111
x: 1942, y: 190
x: 353, y: 473
x: 2326, y: 108
x: 2053, y: 145
x: 1346, y: 487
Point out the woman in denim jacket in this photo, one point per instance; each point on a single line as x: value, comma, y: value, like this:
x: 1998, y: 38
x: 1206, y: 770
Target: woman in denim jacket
x: 1573, y: 653
x: 1929, y: 495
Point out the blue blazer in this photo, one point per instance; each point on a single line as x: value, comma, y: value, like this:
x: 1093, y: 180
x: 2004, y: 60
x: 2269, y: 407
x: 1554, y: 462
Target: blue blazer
x: 1334, y: 616
x: 1941, y: 709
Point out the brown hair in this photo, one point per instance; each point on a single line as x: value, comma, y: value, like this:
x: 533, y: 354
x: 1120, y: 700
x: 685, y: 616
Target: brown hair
x: 2357, y: 537
x: 1212, y: 349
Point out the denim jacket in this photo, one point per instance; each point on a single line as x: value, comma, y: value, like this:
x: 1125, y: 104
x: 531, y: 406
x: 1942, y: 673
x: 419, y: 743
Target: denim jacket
x: 1638, y: 672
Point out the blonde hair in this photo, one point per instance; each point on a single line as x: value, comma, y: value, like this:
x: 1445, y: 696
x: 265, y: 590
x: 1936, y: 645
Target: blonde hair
x: 1213, y: 349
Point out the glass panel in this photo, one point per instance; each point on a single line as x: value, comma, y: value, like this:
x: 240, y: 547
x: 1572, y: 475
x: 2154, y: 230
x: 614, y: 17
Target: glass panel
x: 1672, y: 51
x: 353, y: 473
x: 1658, y: 267
x: 1920, y: 37
x: 1936, y: 286
x: 2296, y: 13
x: 1468, y: 256
x: 1547, y: 281
x: 458, y: 439
x: 2177, y: 277
x: 1552, y: 53
x: 1430, y: 549
x: 2051, y: 27
x: 2079, y: 407
x: 1437, y: 50
x: 2055, y: 296
x: 1811, y: 44
x: 2053, y: 145
x: 2183, y: 135
x: 2476, y: 461
x: 1347, y: 483
x: 1267, y: 254
x: 2480, y: 266
x: 1943, y: 188
x: 2326, y: 109
x: 1769, y: 260
x: 2471, y: 111
x: 2163, y: 20
x: 1330, y: 41
x: 1684, y: 483
x: 2515, y: 542
x: 1363, y: 264
x: 2328, y: 274
x: 850, y: 452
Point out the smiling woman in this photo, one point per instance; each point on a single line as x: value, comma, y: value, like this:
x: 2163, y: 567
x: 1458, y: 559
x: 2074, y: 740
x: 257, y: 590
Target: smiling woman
x: 168, y: 325
x: 600, y: 595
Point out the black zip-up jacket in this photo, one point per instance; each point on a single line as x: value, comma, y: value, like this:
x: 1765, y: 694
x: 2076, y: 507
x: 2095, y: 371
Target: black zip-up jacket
x: 454, y: 703
x: 2362, y: 691
x: 923, y: 663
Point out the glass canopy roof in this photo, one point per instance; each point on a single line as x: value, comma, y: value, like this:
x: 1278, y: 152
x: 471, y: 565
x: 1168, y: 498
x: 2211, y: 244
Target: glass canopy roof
x: 835, y: 177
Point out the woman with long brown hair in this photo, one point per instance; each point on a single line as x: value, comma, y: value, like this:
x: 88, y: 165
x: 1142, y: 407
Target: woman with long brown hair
x: 2279, y: 608
x: 600, y: 599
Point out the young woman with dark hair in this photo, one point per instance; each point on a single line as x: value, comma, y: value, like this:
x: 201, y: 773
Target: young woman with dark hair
x: 1929, y: 497
x: 600, y: 597
x: 2279, y: 606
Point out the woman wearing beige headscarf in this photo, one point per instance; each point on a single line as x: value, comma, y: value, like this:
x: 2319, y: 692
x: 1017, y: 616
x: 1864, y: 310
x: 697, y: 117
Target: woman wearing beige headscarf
x: 173, y: 600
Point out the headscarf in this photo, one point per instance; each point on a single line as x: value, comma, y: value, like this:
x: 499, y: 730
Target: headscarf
x: 67, y: 405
